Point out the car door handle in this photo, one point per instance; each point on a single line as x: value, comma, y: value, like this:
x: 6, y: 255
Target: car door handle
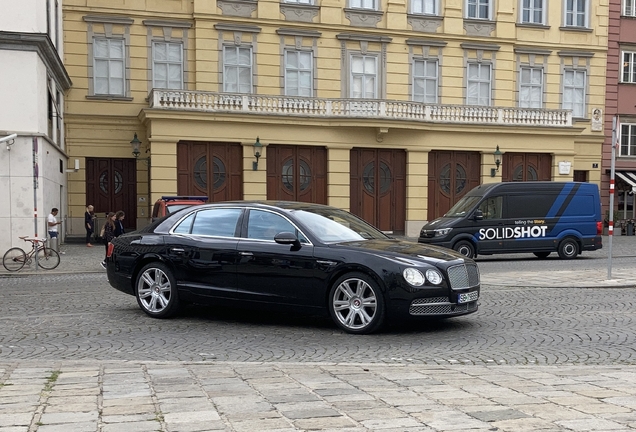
x: 177, y: 251
x: 329, y: 263
x: 246, y: 254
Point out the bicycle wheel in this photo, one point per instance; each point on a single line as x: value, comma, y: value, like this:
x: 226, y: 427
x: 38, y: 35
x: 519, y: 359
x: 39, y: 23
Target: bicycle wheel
x: 14, y: 259
x: 48, y: 258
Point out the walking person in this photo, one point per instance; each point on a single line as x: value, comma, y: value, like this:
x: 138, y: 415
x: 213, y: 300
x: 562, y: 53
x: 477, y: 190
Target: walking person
x: 52, y: 223
x: 108, y: 233
x: 119, y: 223
x: 89, y: 224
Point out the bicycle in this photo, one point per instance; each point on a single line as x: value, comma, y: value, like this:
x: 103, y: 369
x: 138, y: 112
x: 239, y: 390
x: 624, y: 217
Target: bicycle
x: 16, y: 258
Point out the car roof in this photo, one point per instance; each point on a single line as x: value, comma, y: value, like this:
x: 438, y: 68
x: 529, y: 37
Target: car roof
x: 286, y: 205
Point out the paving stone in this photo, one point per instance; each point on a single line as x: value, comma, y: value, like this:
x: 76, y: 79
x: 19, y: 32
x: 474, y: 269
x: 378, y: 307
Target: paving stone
x: 68, y: 417
x: 402, y: 422
x: 324, y: 423
x: 65, y: 427
x: 144, y: 426
x: 186, y: 416
x: 497, y: 415
x: 590, y: 424
x: 15, y: 419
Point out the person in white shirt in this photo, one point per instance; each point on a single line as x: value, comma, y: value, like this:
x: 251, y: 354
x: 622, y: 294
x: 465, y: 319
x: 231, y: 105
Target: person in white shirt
x: 52, y: 223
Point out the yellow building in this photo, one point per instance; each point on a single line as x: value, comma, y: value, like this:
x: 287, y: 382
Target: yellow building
x: 391, y: 109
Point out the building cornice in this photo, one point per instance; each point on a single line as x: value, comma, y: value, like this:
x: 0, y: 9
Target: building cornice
x: 426, y: 42
x: 237, y: 27
x: 41, y: 44
x: 480, y: 46
x: 298, y: 32
x: 531, y: 50
x: 167, y: 23
x: 363, y: 37
x: 109, y: 19
x: 575, y: 54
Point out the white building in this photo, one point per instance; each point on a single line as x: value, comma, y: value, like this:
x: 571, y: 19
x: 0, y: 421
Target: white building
x: 33, y: 80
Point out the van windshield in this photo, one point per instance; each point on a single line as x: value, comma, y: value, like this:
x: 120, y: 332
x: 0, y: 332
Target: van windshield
x: 463, y: 206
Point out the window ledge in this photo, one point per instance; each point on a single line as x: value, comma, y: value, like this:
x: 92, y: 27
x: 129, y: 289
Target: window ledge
x: 363, y: 17
x: 533, y: 26
x: 424, y: 23
x: 479, y: 27
x: 299, y: 12
x: 109, y: 98
x: 576, y: 29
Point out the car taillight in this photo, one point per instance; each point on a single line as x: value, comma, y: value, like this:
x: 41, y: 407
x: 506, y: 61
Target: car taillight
x: 109, y: 251
x: 599, y: 228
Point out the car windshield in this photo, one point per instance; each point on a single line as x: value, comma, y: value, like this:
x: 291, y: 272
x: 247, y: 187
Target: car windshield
x: 331, y: 225
x: 463, y: 206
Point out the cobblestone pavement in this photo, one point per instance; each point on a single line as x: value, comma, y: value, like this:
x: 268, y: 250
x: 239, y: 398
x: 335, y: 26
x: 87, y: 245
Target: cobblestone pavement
x: 76, y: 355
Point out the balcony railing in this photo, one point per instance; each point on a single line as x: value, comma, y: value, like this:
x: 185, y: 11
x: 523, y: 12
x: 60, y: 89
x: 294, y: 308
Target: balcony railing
x: 182, y: 100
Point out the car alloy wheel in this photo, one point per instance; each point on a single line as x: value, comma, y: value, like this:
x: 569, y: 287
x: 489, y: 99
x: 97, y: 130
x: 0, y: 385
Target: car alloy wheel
x: 465, y: 248
x: 156, y: 291
x: 356, y: 304
x: 568, y: 248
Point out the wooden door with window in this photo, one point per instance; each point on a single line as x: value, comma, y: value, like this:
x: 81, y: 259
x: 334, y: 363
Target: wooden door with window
x: 210, y: 169
x: 526, y: 167
x: 297, y: 173
x: 111, y: 185
x: 378, y: 187
x: 451, y: 175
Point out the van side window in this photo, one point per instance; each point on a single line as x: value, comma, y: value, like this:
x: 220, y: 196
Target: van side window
x: 531, y: 206
x: 491, y: 207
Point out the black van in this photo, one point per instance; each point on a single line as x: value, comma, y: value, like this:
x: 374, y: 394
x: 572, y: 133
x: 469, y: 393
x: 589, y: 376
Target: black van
x: 537, y: 217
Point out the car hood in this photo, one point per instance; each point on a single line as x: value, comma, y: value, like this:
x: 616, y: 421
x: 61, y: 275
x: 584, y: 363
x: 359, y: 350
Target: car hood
x: 441, y: 222
x: 405, y: 251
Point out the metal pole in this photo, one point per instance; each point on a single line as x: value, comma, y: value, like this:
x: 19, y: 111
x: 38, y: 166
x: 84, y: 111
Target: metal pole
x: 611, y: 197
x: 35, y: 195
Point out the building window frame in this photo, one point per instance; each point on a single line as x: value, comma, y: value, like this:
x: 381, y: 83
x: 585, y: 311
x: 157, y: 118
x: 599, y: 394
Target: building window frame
x: 424, y: 7
x: 168, y: 63
x: 237, y: 67
x: 363, y: 75
x: 629, y: 8
x: 475, y: 9
x: 425, y: 79
x: 478, y: 83
x: 300, y: 2
x: 529, y: 11
x: 628, y: 69
x: 573, y: 16
x: 569, y: 88
x: 109, y: 62
x: 627, y: 146
x: 290, y: 70
x: 531, y: 88
x: 364, y: 4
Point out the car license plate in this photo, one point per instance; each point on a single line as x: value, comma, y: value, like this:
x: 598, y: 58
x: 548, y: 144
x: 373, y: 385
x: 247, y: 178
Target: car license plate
x: 468, y: 297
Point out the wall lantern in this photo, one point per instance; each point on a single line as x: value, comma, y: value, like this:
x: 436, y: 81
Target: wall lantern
x: 135, y: 143
x: 497, y: 155
x: 257, y: 153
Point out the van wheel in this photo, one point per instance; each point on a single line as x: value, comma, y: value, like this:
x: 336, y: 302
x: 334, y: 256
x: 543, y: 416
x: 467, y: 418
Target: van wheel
x: 568, y: 248
x: 465, y: 248
x: 541, y: 255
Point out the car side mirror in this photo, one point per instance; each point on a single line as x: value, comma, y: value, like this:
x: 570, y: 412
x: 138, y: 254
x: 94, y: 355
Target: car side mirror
x: 478, y: 215
x: 287, y: 238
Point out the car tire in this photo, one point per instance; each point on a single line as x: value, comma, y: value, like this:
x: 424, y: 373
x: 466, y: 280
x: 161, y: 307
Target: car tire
x: 541, y: 255
x: 356, y: 304
x: 156, y: 291
x: 568, y: 248
x: 465, y: 248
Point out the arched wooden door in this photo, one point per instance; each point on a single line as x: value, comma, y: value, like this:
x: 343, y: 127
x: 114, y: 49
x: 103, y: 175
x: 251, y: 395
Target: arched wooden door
x: 451, y: 176
x: 378, y: 187
x: 111, y: 185
x: 526, y: 167
x: 210, y: 168
x: 297, y: 173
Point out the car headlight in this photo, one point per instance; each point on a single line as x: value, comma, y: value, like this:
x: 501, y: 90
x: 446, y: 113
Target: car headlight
x: 434, y: 276
x: 413, y: 276
x: 442, y: 232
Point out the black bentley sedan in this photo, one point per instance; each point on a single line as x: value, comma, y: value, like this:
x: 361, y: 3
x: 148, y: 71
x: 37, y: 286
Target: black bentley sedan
x: 289, y: 254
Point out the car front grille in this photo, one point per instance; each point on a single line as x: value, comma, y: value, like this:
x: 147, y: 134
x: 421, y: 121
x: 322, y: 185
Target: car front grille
x: 463, y: 276
x: 440, y: 306
x: 427, y: 233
